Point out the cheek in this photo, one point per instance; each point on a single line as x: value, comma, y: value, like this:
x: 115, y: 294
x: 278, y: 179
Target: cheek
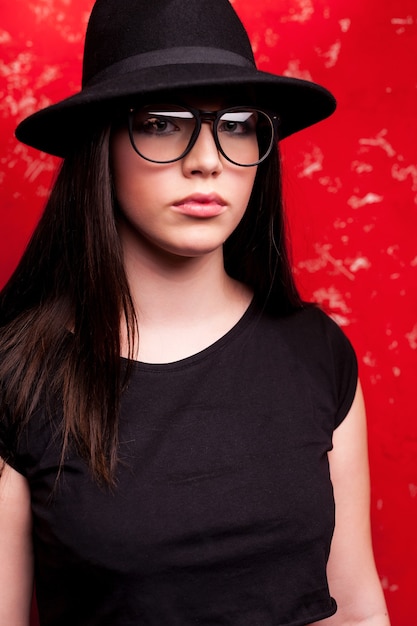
x: 131, y: 176
x: 245, y: 185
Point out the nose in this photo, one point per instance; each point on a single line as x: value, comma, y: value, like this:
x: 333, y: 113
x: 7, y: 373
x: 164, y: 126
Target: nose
x: 204, y: 158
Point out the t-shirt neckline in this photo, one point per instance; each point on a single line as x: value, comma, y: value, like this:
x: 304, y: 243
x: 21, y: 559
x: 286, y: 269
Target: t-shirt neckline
x: 217, y: 345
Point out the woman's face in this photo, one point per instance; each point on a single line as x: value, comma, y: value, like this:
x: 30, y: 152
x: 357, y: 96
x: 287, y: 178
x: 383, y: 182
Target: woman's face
x: 187, y: 208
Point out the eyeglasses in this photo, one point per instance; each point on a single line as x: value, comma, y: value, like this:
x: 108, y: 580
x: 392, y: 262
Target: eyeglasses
x: 164, y: 133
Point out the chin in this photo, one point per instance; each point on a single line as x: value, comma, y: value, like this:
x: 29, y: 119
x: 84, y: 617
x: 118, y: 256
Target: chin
x: 195, y: 252
x: 196, y: 248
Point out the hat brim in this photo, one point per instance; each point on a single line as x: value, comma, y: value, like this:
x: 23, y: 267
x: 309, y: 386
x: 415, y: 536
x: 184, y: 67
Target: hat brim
x: 59, y: 128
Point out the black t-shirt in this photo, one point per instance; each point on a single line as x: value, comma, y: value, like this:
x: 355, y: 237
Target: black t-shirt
x: 223, y: 512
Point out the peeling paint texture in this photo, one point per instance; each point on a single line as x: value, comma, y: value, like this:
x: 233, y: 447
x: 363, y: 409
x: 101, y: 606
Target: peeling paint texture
x: 351, y: 194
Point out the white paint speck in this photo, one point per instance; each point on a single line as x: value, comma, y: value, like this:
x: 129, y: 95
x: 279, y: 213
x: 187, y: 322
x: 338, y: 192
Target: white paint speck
x: 301, y: 13
x: 4, y: 36
x: 49, y: 74
x: 341, y: 320
x: 412, y: 337
x: 404, y: 173
x: 369, y: 359
x: 361, y: 263
x: 387, y: 585
x: 367, y: 228
x: 345, y: 24
x: 379, y: 141
x: 313, y: 162
x: 404, y: 21
x: 329, y: 259
x: 325, y: 259
x: 393, y: 250
x: 333, y: 297
x: 331, y: 55
x: 294, y: 71
x: 361, y: 168
x: 42, y: 191
x: 370, y: 198
x: 271, y: 37
x: 333, y: 185
x: 35, y: 165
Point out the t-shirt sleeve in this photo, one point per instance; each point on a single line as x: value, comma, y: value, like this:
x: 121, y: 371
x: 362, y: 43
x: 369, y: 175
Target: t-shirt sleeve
x: 329, y: 361
x: 8, y: 439
x: 345, y: 368
x: 5, y: 449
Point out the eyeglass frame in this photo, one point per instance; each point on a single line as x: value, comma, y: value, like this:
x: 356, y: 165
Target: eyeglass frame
x: 201, y: 115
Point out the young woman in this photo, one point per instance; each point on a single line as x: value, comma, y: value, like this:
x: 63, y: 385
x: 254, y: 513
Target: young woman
x: 183, y: 439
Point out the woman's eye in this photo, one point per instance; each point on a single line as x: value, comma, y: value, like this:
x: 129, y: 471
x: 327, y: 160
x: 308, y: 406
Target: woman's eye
x: 235, y: 128
x: 243, y: 123
x: 156, y: 126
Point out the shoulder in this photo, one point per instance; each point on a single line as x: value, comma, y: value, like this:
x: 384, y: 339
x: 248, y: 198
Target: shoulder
x: 308, y: 329
x: 312, y: 348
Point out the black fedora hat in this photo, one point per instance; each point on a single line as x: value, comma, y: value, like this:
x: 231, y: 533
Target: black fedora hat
x: 137, y: 48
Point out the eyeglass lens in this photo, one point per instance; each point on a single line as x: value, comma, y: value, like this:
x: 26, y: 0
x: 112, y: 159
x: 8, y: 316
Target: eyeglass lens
x: 164, y: 133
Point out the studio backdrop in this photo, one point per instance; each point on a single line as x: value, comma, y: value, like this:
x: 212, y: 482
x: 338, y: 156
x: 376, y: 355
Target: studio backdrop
x: 351, y: 195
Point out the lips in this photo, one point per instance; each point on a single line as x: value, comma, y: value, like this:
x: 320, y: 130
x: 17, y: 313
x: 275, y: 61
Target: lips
x: 201, y: 205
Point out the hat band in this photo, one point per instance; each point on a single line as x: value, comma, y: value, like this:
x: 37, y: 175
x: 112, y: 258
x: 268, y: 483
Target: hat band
x: 171, y: 56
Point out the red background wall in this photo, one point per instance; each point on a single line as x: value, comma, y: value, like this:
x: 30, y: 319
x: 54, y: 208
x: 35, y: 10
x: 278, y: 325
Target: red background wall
x: 351, y: 185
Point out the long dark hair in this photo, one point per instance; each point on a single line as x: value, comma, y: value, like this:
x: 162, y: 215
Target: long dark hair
x: 257, y: 252
x: 60, y: 311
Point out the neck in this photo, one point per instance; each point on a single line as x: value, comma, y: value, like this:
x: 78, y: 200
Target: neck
x: 182, y: 303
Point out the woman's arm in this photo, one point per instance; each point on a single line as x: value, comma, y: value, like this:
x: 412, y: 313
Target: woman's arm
x: 352, y: 574
x: 16, y: 560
